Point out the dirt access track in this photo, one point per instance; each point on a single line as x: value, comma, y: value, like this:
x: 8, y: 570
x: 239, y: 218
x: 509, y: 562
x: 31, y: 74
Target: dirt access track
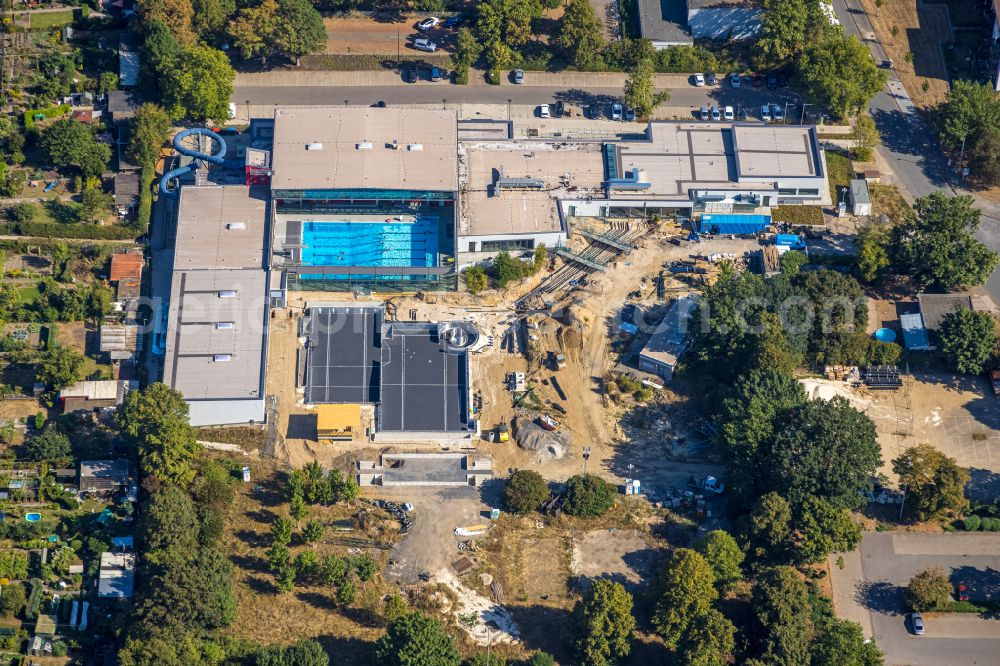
x: 361, y: 35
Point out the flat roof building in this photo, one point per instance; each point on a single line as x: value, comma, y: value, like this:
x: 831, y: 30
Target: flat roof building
x: 934, y: 307
x: 216, y: 334
x: 670, y: 339
x: 116, y: 579
x: 101, y: 476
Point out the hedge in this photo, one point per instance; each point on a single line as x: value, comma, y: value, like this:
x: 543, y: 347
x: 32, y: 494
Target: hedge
x: 972, y: 523
x: 51, y: 112
x: 88, y: 231
x: 145, y: 198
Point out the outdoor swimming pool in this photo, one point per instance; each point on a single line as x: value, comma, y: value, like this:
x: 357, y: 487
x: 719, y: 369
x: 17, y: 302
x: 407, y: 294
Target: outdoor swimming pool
x: 400, y: 240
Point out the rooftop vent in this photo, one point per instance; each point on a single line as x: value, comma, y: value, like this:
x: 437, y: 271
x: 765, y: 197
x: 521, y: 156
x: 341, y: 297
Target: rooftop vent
x: 222, y: 358
x: 227, y: 293
x: 364, y: 145
x: 314, y: 146
x: 224, y: 325
x: 236, y: 226
x: 415, y: 147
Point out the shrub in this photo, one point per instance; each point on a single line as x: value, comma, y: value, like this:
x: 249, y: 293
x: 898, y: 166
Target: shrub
x: 971, y: 523
x: 524, y: 492
x: 991, y: 524
x: 928, y: 589
x: 588, y: 496
x: 91, y: 231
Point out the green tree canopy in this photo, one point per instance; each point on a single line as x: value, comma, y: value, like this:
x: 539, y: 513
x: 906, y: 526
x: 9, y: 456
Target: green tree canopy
x: 300, y: 29
x: 968, y: 339
x: 210, y: 16
x: 781, y: 605
x: 874, y: 243
x: 768, y: 528
x: 156, y: 420
x: 708, y: 642
x: 935, y: 484
x: 69, y: 143
x: 168, y: 528
x: 467, y: 49
x: 59, y: 367
x: 199, y: 85
x: 149, y: 130
x: 928, y: 589
x: 865, y: 136
x: 588, y: 496
x: 685, y: 593
x: 581, y: 36
x: 935, y: 243
x: 50, y: 444
x: 970, y: 108
x: 176, y: 15
x: 525, y: 491
x: 837, y: 72
x: 604, y: 623
x: 725, y: 557
x: 821, y: 529
x: 842, y: 643
x: 416, y: 640
x: 786, y: 27
x: 640, y: 93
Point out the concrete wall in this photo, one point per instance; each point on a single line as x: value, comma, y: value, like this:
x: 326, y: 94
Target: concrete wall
x: 740, y: 23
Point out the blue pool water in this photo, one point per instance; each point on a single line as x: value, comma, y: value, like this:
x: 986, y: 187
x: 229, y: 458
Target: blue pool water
x: 391, y: 243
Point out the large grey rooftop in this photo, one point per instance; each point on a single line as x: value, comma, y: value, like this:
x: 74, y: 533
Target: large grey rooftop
x: 220, y: 226
x: 664, y: 21
x: 365, y: 148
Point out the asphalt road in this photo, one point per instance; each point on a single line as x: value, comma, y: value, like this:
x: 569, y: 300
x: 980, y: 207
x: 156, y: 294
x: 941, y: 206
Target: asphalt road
x: 446, y: 93
x: 890, y: 559
x: 912, y: 149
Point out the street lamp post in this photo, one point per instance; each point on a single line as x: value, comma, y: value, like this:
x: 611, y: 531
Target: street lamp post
x: 961, y: 160
x: 508, y: 109
x: 802, y: 119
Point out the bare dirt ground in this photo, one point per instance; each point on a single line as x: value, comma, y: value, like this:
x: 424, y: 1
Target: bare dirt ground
x: 956, y: 414
x: 625, y: 556
x: 923, y: 29
x: 363, y: 35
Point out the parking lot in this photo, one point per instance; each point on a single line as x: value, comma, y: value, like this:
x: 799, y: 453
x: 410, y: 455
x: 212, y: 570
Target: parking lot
x: 869, y: 590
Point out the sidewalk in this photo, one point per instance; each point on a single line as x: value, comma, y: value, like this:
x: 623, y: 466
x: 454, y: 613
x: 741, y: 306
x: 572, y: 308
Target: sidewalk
x: 391, y: 77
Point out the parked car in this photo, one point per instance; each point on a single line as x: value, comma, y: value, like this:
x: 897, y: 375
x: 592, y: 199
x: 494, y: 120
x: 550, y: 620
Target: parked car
x: 703, y: 113
x: 734, y: 79
x: 716, y: 114
x: 518, y: 76
x: 428, y: 23
x: 629, y: 114
x: 436, y: 74
x: 616, y: 111
x: 778, y: 111
x: 710, y: 79
x: 765, y: 113
x: 709, y: 483
x: 772, y: 81
x: 748, y: 79
x: 917, y: 624
x: 758, y: 80
x: 995, y: 381
x: 452, y: 21
x: 962, y: 592
x: 699, y: 79
x: 422, y: 44
x: 411, y: 75
x: 728, y: 113
x: 593, y: 112
x: 886, y: 64
x: 560, y: 109
x: 543, y: 111
x: 379, y: 104
x: 782, y: 80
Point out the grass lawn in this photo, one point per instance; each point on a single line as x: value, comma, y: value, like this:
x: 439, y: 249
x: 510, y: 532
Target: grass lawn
x: 839, y: 171
x: 46, y: 20
x: 811, y: 215
x: 886, y: 200
x: 29, y: 294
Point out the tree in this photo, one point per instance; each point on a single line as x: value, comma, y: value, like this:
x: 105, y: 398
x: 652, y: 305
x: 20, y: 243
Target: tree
x: 72, y: 144
x: 160, y: 49
x: 769, y: 527
x: 281, y: 530
x: 12, y: 599
x: 604, y: 623
x: 540, y: 659
x: 475, y: 279
x: 467, y: 49
x: 299, y: 29
x: 928, y: 590
x: 935, y: 484
x: 820, y: 529
x: 640, y: 94
x: 169, y: 526
x: 195, y: 592
x: 59, y: 367
x: 416, y: 640
x: 95, y: 204
x: 156, y: 421
x: 785, y: 29
x: 969, y: 109
x: 581, y: 36
x: 50, y: 444
x: 686, y: 591
x: 781, y: 605
x: 365, y: 567
x: 837, y: 72
x: 936, y: 245
x: 968, y: 339
x: 395, y: 608
x: 210, y: 16
x: 298, y: 508
x: 588, y: 496
x: 842, y: 643
x: 525, y: 491
x: 313, y: 531
x: 149, y: 130
x: 333, y: 570
x: 874, y: 246
x: 725, y: 557
x: 983, y: 156
x: 708, y: 642
x: 199, y: 85
x: 865, y: 136
x: 176, y: 15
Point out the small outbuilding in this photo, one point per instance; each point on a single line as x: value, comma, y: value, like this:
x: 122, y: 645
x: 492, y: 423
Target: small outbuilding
x: 860, y: 198
x: 103, y: 476
x: 94, y: 395
x: 117, y: 576
x: 338, y: 421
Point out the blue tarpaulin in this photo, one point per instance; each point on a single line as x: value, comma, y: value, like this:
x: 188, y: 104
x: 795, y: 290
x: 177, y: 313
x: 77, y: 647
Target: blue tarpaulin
x: 739, y: 225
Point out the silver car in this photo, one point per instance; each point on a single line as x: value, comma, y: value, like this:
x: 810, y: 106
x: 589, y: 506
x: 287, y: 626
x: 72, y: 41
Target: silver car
x: 917, y: 624
x: 518, y: 76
